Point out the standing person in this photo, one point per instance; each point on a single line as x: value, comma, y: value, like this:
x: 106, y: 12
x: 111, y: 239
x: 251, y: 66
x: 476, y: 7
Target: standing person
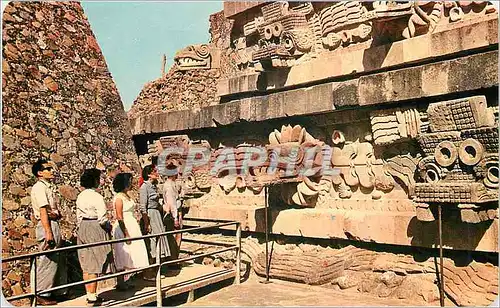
x: 173, y: 209
x: 93, y: 225
x: 50, y: 269
x: 152, y: 210
x: 131, y: 254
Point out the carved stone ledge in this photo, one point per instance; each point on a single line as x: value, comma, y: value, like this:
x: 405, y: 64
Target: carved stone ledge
x: 447, y: 39
x: 451, y: 76
x: 398, y: 228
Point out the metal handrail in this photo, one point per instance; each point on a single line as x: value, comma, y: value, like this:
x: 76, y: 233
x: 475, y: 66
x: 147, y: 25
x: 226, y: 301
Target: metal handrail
x: 114, y: 275
x: 76, y: 247
x: 206, y: 219
x: 158, y: 265
x: 197, y: 241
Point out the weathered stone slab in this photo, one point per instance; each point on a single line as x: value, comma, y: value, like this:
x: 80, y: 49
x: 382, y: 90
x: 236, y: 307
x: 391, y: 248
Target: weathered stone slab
x: 457, y: 75
x: 398, y: 228
x: 241, y: 84
x: 466, y: 73
x: 446, y: 40
x: 232, y: 8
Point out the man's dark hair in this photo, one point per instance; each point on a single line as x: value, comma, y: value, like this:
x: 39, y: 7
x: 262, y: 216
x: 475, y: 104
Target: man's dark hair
x: 38, y: 166
x: 90, y: 178
x: 121, y: 182
x: 147, y: 171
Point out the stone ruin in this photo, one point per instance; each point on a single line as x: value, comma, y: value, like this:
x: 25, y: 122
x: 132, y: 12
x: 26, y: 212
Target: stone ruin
x: 58, y: 102
x: 398, y: 98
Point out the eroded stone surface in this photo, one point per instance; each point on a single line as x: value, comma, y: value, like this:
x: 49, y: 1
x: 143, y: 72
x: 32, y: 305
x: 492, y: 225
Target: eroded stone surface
x: 300, y: 37
x: 408, y: 276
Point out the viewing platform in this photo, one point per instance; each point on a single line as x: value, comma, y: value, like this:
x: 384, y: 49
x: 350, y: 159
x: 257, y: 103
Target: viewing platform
x: 187, y: 279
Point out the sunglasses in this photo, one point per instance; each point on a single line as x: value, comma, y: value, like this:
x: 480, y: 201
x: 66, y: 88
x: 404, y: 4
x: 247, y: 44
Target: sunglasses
x: 48, y: 169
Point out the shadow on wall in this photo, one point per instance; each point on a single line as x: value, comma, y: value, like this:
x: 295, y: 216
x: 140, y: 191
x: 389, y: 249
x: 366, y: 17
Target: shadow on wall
x: 374, y: 57
x: 456, y: 234
x: 273, y: 79
x: 275, y: 203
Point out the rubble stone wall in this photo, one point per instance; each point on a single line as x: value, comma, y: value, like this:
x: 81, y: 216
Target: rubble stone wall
x: 60, y: 103
x: 189, y: 89
x: 179, y: 90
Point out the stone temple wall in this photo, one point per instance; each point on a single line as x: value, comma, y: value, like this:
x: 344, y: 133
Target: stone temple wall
x: 59, y: 102
x: 398, y: 98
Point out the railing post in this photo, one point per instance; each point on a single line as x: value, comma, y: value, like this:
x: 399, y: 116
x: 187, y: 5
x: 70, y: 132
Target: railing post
x: 33, y: 280
x: 159, y: 302
x: 441, y: 274
x: 238, y: 254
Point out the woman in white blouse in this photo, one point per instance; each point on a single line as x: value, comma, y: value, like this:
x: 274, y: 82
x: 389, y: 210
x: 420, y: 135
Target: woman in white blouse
x: 93, y: 225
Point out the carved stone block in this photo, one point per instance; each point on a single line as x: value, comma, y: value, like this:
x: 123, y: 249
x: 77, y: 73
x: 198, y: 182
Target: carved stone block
x: 193, y: 57
x: 445, y: 192
x: 429, y: 142
x: 440, y: 117
x: 392, y: 125
x: 488, y: 136
x: 460, y: 114
x: 455, y: 192
x: 470, y: 213
x: 424, y: 213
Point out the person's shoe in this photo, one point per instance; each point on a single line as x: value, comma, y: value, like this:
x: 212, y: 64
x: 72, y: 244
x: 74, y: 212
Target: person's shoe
x: 123, y: 287
x: 98, y: 300
x: 43, y: 301
x: 149, y: 278
x: 176, y: 266
x: 61, y: 297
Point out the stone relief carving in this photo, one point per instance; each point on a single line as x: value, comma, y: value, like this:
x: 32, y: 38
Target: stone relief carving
x: 242, y: 57
x: 296, y: 141
x: 446, y: 153
x: 343, y: 23
x: 458, y: 10
x: 284, y: 34
x: 459, y: 167
x: 193, y: 57
x: 389, y: 126
x: 358, y: 166
x: 403, y: 167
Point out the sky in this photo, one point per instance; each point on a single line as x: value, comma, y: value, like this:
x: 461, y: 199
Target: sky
x: 133, y: 36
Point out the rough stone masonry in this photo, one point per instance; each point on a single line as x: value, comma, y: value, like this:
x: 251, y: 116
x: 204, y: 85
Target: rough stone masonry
x: 59, y: 102
x: 192, y: 89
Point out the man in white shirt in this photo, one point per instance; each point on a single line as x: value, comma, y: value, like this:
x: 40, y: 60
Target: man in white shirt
x: 51, y: 269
